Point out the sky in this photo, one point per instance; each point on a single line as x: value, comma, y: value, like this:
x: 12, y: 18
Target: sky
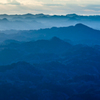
x: 58, y: 7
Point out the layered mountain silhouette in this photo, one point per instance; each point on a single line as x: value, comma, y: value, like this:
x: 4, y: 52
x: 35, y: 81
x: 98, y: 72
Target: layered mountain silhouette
x: 12, y: 51
x: 58, y: 63
x: 78, y: 34
x: 74, y: 74
x: 30, y: 21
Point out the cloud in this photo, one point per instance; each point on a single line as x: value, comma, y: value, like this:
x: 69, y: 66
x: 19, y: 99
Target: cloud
x: 10, y: 2
x: 93, y: 7
x: 53, y: 4
x: 13, y: 2
x: 49, y: 7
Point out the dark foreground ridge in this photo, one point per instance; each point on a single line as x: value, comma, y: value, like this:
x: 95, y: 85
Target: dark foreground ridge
x: 49, y: 70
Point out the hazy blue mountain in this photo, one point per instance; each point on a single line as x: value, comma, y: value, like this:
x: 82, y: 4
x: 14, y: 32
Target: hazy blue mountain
x: 44, y: 51
x: 38, y: 21
x: 43, y: 59
x: 52, y: 69
x: 18, y: 24
x: 74, y: 76
x: 33, y: 51
x: 78, y: 34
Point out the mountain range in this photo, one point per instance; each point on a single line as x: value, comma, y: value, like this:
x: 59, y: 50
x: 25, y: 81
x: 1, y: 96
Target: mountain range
x: 38, y: 21
x: 52, y: 61
x: 49, y: 69
x: 78, y: 34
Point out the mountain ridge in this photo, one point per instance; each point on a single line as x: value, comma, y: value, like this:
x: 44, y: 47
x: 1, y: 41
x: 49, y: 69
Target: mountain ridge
x: 78, y: 34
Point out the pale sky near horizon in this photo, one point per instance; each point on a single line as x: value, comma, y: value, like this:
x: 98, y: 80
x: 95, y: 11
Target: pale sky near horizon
x: 50, y: 6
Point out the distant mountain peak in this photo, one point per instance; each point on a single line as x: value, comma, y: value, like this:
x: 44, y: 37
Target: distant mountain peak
x: 29, y: 14
x: 80, y: 25
x: 56, y: 39
x: 4, y: 19
x: 40, y: 14
x: 71, y: 15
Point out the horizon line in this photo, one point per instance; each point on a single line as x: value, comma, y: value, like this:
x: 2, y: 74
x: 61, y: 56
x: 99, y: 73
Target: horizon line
x: 52, y: 14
